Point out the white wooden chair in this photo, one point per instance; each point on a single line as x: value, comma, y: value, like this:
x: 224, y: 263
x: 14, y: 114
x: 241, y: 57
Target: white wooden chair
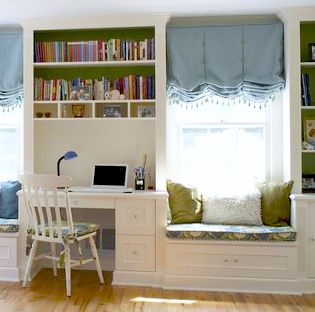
x: 48, y: 223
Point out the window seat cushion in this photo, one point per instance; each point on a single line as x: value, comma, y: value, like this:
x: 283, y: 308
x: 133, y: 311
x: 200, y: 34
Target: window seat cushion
x: 200, y: 231
x: 9, y: 225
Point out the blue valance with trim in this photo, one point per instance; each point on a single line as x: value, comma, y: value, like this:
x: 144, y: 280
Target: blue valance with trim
x: 228, y: 61
x: 11, y: 68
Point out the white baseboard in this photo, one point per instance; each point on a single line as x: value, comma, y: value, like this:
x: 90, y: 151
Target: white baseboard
x: 136, y: 278
x: 9, y: 274
x: 221, y: 284
x: 230, y: 284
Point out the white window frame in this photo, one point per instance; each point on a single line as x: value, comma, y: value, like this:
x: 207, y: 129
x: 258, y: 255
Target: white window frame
x: 273, y: 138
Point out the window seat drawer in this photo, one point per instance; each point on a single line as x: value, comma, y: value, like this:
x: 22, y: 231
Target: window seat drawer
x: 231, y: 260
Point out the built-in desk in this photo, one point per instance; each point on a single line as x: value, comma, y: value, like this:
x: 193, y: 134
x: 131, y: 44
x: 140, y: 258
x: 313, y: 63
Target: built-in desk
x: 140, y: 231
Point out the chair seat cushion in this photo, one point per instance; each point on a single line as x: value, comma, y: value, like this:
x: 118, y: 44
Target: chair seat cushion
x: 199, y: 231
x: 9, y: 225
x: 80, y: 229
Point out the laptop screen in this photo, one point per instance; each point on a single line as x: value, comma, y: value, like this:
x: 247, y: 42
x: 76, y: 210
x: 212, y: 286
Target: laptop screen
x: 112, y: 176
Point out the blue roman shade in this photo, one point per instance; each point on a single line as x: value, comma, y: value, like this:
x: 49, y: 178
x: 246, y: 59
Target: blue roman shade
x: 11, y: 68
x: 228, y: 61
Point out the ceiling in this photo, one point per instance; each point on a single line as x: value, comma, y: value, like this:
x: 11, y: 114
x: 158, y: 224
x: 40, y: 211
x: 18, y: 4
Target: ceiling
x: 12, y: 11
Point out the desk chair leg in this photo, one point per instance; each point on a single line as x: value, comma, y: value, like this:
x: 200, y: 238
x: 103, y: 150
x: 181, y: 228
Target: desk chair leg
x: 97, y: 260
x: 68, y: 270
x: 54, y: 253
x: 30, y: 263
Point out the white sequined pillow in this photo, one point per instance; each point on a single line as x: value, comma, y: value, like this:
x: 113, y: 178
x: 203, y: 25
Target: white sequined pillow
x: 242, y: 209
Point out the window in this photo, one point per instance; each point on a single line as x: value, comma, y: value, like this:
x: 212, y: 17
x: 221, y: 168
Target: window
x: 222, y: 146
x: 10, y: 144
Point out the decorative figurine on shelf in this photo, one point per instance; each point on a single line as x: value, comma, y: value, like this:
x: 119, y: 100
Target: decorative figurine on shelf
x: 114, y: 94
x: 307, y: 146
x: 74, y: 95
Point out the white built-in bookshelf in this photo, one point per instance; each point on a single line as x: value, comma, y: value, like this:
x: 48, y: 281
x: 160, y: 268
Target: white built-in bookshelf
x: 122, y: 53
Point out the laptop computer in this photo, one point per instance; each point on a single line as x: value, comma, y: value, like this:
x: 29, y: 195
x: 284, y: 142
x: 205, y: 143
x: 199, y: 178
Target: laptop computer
x: 107, y: 178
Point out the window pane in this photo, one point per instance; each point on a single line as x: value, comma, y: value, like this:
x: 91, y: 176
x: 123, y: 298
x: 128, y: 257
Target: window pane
x: 10, y: 141
x: 222, y: 156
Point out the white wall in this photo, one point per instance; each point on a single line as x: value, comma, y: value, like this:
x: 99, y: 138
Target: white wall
x: 95, y: 141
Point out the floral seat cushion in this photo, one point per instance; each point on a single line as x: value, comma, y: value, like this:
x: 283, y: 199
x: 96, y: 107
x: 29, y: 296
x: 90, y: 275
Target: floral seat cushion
x: 9, y: 225
x: 201, y: 231
x: 80, y: 229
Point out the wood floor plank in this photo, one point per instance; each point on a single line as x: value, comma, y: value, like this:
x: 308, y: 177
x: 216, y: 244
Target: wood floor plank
x: 47, y: 294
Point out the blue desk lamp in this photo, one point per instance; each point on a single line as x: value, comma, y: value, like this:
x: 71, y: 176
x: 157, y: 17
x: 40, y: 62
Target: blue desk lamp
x: 67, y: 156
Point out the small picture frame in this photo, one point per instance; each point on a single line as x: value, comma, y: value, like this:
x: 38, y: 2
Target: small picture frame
x: 146, y: 111
x: 309, y: 130
x: 312, y: 52
x: 112, y: 111
x: 308, y: 183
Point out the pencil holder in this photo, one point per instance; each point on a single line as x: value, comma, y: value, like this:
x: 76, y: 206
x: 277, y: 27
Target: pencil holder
x: 139, y: 184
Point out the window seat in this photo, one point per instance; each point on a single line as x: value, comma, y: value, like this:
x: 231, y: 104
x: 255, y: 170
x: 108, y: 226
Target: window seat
x: 9, y: 225
x: 202, y: 231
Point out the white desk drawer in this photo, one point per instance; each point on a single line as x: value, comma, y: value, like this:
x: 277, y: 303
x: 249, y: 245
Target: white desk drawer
x: 102, y: 203
x: 135, y: 216
x: 135, y: 253
x: 236, y: 261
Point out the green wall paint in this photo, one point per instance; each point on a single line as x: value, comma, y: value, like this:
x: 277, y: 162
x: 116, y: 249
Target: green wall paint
x: 92, y: 72
x: 308, y: 161
x: 307, y: 33
x: 94, y: 34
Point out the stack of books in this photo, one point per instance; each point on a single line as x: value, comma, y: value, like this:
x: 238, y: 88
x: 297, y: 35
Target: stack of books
x: 306, y: 95
x: 94, y: 50
x: 133, y: 87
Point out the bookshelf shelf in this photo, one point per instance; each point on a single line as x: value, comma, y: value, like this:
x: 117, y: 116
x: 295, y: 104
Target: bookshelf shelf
x: 94, y: 64
x: 307, y: 64
x: 96, y: 109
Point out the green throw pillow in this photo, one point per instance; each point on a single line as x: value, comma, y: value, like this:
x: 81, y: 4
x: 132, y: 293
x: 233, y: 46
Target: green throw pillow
x: 184, y: 205
x: 275, y: 203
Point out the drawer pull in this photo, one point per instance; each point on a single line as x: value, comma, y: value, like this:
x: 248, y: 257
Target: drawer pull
x: 135, y: 216
x: 235, y: 260
x: 225, y: 260
x: 312, y: 239
x: 135, y: 252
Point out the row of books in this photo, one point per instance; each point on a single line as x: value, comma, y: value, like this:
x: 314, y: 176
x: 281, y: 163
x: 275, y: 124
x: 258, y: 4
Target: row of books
x: 306, y: 94
x: 132, y: 87
x: 94, y: 50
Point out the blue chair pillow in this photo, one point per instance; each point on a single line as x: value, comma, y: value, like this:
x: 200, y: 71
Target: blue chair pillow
x: 9, y: 199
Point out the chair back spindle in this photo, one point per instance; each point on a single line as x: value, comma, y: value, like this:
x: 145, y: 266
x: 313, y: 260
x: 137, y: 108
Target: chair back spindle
x: 41, y: 195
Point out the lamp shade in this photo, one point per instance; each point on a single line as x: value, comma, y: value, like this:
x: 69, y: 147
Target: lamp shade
x: 70, y: 155
x: 67, y: 156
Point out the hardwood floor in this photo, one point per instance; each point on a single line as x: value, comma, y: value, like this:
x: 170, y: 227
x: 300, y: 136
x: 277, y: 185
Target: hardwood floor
x: 47, y: 294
